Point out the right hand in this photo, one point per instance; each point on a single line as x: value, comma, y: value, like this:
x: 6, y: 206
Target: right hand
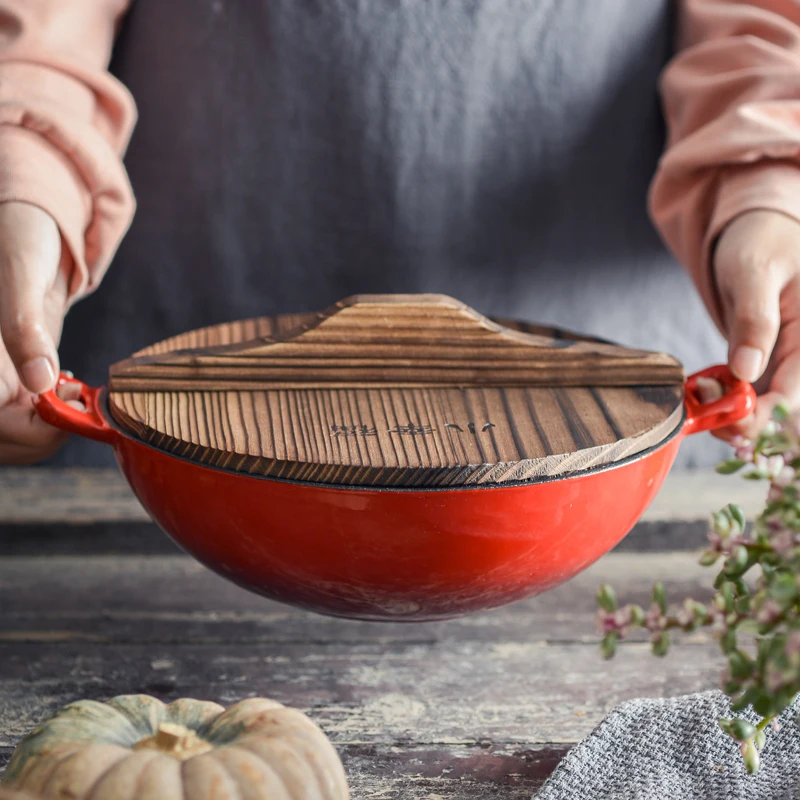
x: 33, y: 301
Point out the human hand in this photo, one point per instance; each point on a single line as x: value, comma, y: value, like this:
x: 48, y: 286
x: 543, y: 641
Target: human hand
x: 33, y: 301
x: 757, y: 272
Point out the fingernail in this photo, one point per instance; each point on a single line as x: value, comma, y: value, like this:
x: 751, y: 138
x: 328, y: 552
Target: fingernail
x: 746, y: 363
x: 38, y: 374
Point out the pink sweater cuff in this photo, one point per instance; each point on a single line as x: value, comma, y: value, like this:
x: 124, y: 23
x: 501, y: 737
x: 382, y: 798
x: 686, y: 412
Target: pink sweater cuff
x: 33, y: 171
x: 765, y: 185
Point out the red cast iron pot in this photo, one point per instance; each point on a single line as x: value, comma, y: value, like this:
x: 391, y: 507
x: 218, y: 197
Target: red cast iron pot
x: 394, y: 554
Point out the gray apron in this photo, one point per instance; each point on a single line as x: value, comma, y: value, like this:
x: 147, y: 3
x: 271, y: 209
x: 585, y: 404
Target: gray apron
x: 292, y: 152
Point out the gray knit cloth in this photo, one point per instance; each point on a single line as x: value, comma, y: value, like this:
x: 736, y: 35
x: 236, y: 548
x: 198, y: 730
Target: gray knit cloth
x: 673, y: 748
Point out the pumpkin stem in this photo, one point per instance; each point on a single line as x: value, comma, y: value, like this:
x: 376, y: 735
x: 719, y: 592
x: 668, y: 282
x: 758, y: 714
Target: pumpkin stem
x: 176, y: 741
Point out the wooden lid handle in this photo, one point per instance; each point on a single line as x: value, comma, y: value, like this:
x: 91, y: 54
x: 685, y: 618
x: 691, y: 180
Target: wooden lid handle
x: 397, y: 340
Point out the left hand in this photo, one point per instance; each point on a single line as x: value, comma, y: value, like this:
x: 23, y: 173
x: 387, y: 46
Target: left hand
x: 757, y: 271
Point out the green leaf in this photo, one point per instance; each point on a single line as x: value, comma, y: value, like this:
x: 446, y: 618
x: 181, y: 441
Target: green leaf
x: 732, y: 687
x: 760, y: 740
x: 661, y: 645
x: 730, y: 466
x: 728, y: 595
x: 728, y: 642
x: 637, y: 615
x: 783, y: 589
x: 709, y: 558
x: 721, y: 523
x: 738, y: 516
x: 743, y: 605
x: 606, y: 598
x: 701, y: 612
x: 740, y: 664
x: 747, y: 627
x: 742, y: 730
x: 736, y: 564
x: 743, y: 701
x: 742, y: 589
x: 660, y: 597
x: 762, y: 652
x: 767, y: 627
x: 763, y: 703
x: 608, y: 646
x: 751, y: 759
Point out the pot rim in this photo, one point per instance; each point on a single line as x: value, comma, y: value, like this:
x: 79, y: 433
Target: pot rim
x: 538, y: 481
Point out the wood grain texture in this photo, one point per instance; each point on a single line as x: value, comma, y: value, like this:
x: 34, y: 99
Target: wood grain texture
x: 441, y: 772
x: 373, y: 341
x: 409, y: 693
x: 480, y: 707
x: 423, y: 436
x: 166, y: 599
x: 404, y: 437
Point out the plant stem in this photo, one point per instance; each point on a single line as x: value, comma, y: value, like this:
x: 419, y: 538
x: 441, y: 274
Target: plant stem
x: 767, y: 720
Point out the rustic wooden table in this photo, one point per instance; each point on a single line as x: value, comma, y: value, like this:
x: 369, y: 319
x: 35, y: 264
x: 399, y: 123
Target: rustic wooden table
x: 94, y: 602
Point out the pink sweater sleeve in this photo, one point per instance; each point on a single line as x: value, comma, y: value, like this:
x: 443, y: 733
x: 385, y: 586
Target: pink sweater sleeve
x: 65, y: 123
x: 732, y: 102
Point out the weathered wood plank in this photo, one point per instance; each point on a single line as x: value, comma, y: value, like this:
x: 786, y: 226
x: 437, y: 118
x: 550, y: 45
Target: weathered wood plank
x: 462, y: 709
x: 477, y: 772
x: 174, y: 599
x: 144, y: 538
x: 66, y: 496
x: 73, y: 496
x: 94, y: 539
x: 463, y: 772
x: 403, y: 693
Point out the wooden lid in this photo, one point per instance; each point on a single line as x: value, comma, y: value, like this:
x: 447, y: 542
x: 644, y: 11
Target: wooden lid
x: 400, y: 390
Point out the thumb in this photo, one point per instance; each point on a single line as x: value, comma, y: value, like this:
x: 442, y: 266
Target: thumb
x: 751, y: 308
x: 30, y: 252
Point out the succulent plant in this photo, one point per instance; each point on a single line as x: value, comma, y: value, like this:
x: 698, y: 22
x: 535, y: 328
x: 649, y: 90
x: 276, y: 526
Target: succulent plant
x: 755, y: 611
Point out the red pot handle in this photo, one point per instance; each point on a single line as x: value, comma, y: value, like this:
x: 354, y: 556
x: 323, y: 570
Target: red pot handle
x: 738, y: 402
x: 90, y: 423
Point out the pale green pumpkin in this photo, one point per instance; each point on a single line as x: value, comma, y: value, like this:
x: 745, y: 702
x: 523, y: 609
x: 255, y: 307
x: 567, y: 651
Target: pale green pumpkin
x: 137, y: 748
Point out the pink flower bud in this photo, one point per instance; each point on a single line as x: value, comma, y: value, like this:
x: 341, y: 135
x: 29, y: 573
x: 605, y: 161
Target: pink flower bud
x: 654, y: 620
x: 776, y: 679
x: 782, y: 542
x: 775, y: 493
x: 784, y: 478
x: 743, y: 748
x: 714, y: 541
x: 768, y: 613
x: 687, y: 615
x: 774, y: 467
x: 793, y: 644
x: 744, y: 448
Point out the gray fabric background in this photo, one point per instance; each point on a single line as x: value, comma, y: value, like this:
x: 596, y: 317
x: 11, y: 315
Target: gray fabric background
x: 673, y: 749
x: 292, y: 152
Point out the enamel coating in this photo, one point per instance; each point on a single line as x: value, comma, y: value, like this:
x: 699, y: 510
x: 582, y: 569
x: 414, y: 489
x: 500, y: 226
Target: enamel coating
x: 394, y: 555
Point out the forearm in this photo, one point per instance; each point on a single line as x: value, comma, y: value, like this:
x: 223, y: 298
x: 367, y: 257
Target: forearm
x: 732, y: 103
x: 65, y: 124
